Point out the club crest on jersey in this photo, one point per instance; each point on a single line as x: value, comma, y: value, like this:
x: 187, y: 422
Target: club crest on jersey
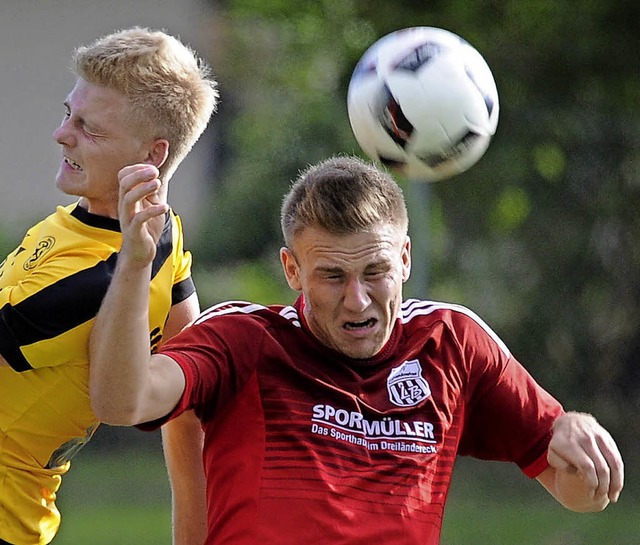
x: 406, y: 385
x: 41, y: 249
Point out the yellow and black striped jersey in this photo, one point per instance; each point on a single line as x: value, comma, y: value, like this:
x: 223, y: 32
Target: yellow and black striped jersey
x: 51, y: 287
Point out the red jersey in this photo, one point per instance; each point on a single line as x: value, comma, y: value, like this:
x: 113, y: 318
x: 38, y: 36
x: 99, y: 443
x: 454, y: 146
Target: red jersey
x: 304, y: 445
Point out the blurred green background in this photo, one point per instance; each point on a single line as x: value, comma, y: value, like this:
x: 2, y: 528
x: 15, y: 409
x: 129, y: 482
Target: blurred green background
x: 541, y: 237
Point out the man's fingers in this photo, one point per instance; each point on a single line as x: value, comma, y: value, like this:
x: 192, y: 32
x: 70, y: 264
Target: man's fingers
x: 141, y: 209
x: 137, y: 195
x: 580, y: 445
x: 143, y: 193
x: 132, y: 175
x: 601, y: 459
x: 147, y: 213
x: 615, y: 465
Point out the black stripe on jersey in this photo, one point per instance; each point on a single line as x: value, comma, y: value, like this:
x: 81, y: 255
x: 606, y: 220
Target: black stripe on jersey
x: 9, y: 347
x: 164, y: 247
x: 69, y: 302
x: 63, y: 305
x: 182, y: 290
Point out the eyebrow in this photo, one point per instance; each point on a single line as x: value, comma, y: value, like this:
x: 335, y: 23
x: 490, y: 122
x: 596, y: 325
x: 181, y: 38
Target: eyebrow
x: 89, y: 126
x: 376, y: 265
x: 332, y: 270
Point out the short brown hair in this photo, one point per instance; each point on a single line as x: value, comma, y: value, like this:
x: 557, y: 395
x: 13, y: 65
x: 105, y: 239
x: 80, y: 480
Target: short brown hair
x: 342, y: 195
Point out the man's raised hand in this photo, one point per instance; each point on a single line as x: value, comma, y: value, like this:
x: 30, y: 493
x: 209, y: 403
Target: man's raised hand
x: 142, y: 208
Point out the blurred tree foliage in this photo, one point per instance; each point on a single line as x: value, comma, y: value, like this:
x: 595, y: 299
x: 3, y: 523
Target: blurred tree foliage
x: 541, y: 237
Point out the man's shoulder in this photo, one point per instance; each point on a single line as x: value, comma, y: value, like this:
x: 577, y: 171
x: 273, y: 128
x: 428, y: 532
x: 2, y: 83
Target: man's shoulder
x: 461, y: 321
x: 268, y: 314
x: 424, y: 310
x: 245, y: 324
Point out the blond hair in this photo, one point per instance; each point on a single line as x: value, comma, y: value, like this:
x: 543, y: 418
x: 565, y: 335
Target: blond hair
x: 171, y: 91
x: 342, y: 195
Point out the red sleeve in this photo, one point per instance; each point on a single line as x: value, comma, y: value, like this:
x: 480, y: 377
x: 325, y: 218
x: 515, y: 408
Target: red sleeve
x: 216, y: 365
x: 512, y: 421
x: 191, y: 374
x: 537, y: 467
x: 508, y: 415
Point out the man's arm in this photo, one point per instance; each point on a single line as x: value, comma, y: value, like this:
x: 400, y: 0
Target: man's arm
x: 182, y: 440
x: 586, y: 470
x: 127, y: 386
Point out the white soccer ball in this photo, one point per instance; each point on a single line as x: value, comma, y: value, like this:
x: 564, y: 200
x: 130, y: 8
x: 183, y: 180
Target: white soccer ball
x: 423, y: 102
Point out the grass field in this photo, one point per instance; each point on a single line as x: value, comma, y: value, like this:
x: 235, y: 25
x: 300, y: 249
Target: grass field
x: 119, y: 499
x: 123, y: 499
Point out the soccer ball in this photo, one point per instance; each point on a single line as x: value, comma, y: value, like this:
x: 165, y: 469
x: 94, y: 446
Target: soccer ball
x: 423, y: 102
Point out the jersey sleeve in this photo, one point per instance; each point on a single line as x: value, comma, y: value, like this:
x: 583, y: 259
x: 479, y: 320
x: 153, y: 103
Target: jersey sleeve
x: 508, y: 415
x: 217, y: 357
x: 183, y: 285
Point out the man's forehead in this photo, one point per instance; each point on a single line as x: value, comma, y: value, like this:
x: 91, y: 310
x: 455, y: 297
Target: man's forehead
x: 363, y: 249
x: 381, y: 233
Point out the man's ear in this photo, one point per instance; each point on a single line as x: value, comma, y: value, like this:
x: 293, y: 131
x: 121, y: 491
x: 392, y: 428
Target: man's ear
x: 406, y: 259
x: 158, y: 152
x: 290, y: 268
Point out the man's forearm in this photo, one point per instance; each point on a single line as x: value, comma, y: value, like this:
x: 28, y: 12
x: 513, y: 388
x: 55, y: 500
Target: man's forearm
x: 182, y: 441
x: 120, y: 347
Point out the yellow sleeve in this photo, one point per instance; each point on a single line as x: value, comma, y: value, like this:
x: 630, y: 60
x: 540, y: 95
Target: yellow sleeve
x: 183, y: 285
x: 183, y: 257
